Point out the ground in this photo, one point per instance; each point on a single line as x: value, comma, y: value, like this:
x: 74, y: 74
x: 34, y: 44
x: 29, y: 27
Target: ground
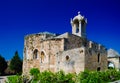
x: 2, y: 79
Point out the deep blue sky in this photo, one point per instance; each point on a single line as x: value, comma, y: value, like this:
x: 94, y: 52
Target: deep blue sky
x: 21, y: 17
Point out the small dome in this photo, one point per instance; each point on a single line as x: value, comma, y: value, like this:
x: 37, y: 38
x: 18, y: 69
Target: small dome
x: 78, y: 17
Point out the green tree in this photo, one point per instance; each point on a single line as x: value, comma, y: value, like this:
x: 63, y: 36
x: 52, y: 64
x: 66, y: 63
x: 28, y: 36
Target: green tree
x: 16, y: 63
x: 3, y: 65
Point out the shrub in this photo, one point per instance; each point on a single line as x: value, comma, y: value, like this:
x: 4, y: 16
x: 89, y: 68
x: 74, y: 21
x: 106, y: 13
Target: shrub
x: 70, y: 78
x: 47, y: 77
x: 83, y: 76
x: 14, y: 79
x: 35, y: 73
x: 99, y: 77
x: 65, y: 78
x: 113, y: 74
x: 61, y: 77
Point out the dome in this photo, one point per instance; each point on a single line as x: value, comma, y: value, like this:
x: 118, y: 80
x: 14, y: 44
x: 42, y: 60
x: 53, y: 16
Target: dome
x: 78, y: 17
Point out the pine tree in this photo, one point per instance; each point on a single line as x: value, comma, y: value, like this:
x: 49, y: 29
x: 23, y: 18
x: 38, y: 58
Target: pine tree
x: 3, y: 65
x: 16, y: 63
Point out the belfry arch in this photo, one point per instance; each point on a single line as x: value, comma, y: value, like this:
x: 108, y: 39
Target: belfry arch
x: 78, y: 24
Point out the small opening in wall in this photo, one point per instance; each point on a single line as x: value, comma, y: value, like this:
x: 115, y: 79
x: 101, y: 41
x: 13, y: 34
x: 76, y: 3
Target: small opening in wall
x: 81, y: 51
x: 67, y: 58
x: 98, y: 69
x: 58, y: 62
x: 119, y: 59
x: 98, y: 57
x: 77, y: 29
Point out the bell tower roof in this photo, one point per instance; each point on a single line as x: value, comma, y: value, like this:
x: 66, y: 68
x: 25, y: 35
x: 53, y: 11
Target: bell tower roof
x: 78, y: 24
x: 78, y: 17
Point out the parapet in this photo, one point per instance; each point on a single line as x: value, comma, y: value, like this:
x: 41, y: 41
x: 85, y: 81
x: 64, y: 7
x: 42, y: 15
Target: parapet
x: 96, y: 46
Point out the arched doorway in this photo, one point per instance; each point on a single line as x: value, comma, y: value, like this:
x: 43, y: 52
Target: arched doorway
x: 111, y: 65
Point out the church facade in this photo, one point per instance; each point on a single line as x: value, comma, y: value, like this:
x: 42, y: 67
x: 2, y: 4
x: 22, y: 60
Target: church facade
x: 68, y: 52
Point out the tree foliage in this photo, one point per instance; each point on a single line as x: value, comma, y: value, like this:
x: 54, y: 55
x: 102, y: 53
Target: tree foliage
x: 3, y: 65
x: 16, y: 63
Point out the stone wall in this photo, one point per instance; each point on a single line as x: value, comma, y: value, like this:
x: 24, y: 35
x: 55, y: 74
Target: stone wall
x: 51, y: 48
x: 71, y: 60
x: 95, y: 59
x: 30, y: 44
x: 74, y: 41
x: 40, y: 43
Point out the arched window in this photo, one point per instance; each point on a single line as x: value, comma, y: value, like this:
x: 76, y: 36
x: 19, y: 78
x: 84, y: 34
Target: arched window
x: 111, y: 65
x: 42, y: 56
x: 35, y: 54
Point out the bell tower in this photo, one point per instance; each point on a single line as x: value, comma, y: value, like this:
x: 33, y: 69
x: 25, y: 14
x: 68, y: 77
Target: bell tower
x: 78, y: 24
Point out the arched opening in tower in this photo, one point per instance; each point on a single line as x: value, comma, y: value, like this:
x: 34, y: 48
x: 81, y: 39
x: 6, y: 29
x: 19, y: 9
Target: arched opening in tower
x: 76, y: 25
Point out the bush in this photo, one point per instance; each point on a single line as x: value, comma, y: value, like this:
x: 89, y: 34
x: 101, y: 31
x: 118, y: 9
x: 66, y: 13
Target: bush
x: 70, y: 78
x: 35, y: 73
x: 47, y: 77
x: 99, y: 77
x: 61, y: 77
x: 113, y: 74
x: 14, y: 79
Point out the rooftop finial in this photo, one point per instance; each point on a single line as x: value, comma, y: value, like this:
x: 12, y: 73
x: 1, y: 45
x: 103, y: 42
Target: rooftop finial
x: 79, y: 13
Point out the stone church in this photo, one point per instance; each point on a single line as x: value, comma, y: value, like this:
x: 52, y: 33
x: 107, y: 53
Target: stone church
x: 70, y: 52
